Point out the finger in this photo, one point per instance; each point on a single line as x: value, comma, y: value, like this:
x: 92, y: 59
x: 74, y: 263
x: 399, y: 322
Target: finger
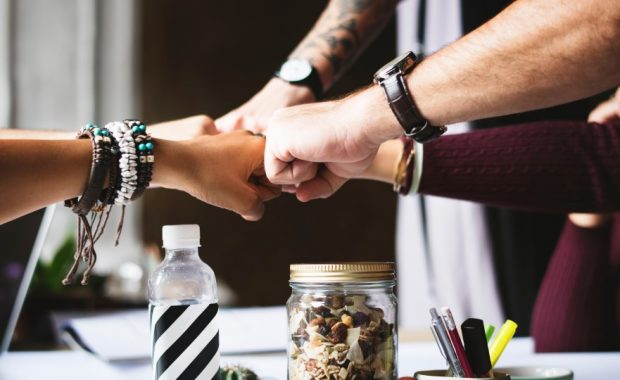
x: 291, y: 189
x: 267, y: 194
x: 323, y: 185
x: 256, y: 214
x: 604, y: 112
x: 253, y: 206
x: 229, y: 122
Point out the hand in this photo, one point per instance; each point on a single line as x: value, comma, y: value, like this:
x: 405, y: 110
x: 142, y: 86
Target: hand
x: 224, y: 170
x: 607, y: 111
x: 255, y: 113
x: 183, y: 129
x: 344, y: 135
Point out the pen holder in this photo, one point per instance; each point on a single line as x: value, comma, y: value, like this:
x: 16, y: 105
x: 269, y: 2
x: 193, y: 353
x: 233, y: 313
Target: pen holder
x: 440, y: 374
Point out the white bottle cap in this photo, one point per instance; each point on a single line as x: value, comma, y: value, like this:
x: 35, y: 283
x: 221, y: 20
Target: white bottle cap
x: 181, y: 236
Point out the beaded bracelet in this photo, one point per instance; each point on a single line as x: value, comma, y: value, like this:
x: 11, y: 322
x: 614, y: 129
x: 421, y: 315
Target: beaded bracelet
x: 146, y: 158
x: 127, y: 163
x: 102, y: 162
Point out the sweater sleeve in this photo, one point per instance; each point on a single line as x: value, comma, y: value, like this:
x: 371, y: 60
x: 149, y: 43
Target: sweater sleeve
x: 558, y: 166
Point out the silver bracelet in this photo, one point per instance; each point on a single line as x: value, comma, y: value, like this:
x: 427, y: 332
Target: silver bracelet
x: 418, y: 159
x: 127, y: 163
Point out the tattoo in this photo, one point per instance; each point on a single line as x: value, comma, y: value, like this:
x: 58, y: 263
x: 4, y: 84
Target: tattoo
x: 345, y: 28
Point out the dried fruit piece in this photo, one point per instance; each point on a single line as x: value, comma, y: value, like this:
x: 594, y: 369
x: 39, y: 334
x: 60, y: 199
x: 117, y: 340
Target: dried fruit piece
x: 338, y: 333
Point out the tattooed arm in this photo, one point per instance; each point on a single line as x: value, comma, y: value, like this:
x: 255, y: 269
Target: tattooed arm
x: 342, y: 32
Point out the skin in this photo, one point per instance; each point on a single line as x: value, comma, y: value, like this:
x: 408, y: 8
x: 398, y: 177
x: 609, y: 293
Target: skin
x: 340, y: 35
x: 534, y: 54
x: 180, y: 129
x: 36, y: 173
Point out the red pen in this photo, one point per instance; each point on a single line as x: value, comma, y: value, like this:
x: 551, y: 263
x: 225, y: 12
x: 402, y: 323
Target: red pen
x: 455, y: 339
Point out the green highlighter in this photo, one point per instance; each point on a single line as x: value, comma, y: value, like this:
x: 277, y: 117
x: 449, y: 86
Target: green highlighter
x: 488, y: 331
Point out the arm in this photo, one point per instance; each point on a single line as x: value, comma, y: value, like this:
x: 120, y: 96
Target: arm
x: 340, y: 35
x: 36, y: 173
x: 534, y: 54
x: 180, y: 129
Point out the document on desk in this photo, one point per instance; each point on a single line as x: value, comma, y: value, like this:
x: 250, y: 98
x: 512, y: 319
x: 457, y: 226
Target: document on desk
x: 123, y: 336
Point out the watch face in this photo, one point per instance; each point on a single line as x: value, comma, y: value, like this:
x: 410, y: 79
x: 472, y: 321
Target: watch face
x: 400, y: 64
x: 295, y: 70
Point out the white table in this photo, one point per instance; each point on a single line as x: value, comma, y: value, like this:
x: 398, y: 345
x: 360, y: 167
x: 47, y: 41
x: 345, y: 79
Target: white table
x: 73, y: 365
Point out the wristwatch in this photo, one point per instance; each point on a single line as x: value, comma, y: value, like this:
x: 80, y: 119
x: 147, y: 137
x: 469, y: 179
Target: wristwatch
x: 300, y: 72
x: 391, y: 78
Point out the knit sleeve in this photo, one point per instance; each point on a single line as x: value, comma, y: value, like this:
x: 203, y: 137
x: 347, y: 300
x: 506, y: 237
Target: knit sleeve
x: 546, y: 166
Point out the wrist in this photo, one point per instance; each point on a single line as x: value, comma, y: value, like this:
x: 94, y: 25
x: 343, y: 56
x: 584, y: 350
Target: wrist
x: 167, y: 172
x: 385, y: 164
x: 295, y: 94
x: 374, y: 118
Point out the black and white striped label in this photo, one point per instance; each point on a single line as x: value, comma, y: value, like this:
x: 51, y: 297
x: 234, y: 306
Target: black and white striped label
x: 185, y: 342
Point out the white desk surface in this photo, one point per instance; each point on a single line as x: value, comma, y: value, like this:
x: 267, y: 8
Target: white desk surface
x: 74, y: 365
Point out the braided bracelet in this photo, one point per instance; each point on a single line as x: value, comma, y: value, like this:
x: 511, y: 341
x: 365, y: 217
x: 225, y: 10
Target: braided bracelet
x: 102, y: 162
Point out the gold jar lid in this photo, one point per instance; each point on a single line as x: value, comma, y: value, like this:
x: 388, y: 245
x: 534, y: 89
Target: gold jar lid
x: 342, y: 272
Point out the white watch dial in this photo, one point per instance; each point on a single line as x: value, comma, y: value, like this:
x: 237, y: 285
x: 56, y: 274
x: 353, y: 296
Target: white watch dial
x: 295, y: 70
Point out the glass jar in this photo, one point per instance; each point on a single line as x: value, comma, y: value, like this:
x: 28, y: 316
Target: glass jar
x: 342, y: 321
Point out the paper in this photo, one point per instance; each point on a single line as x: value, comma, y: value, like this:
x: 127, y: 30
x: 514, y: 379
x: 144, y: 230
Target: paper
x: 124, y: 336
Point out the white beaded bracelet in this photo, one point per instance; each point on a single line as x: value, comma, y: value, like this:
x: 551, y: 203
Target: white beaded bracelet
x: 127, y: 163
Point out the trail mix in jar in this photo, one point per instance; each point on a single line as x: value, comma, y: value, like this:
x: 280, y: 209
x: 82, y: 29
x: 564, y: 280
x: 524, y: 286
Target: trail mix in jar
x: 340, y: 337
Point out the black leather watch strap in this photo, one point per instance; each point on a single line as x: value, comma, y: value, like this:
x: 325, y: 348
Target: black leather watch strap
x: 402, y: 105
x: 313, y: 81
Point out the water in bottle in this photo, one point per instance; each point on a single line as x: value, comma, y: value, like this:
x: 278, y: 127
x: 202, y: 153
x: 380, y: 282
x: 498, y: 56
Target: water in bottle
x: 183, y: 310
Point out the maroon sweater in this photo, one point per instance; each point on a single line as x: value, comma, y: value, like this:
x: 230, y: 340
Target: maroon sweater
x: 546, y: 166
x: 555, y: 167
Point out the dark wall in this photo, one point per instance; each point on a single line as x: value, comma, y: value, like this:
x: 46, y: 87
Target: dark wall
x: 210, y: 56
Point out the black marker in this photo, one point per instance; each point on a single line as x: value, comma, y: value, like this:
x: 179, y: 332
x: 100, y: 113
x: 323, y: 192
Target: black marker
x: 476, y: 347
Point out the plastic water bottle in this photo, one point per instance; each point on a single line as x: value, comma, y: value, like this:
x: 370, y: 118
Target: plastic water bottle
x: 183, y: 310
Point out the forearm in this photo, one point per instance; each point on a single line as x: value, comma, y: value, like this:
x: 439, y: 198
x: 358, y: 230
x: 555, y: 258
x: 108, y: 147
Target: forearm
x: 343, y: 31
x: 49, y: 171
x: 22, y: 134
x: 534, y: 54
x: 546, y: 166
x: 52, y: 171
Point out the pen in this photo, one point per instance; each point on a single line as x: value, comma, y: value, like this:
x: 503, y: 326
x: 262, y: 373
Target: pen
x: 455, y: 338
x: 488, y: 331
x: 476, y: 347
x: 505, y: 333
x: 444, y: 341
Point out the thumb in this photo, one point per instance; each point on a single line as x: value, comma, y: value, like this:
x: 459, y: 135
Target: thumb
x: 323, y: 185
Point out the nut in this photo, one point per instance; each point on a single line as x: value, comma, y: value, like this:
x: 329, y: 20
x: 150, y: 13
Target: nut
x: 347, y: 320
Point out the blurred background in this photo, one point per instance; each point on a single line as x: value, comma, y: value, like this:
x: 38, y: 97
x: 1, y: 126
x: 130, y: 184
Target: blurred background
x: 64, y: 63
x: 67, y: 62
